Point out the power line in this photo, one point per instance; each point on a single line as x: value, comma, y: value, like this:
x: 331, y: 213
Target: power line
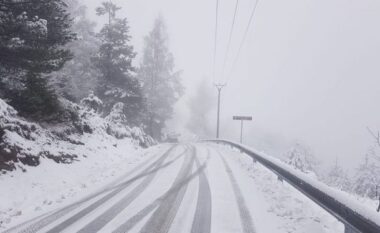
x: 215, y: 37
x: 243, y: 41
x: 230, y: 37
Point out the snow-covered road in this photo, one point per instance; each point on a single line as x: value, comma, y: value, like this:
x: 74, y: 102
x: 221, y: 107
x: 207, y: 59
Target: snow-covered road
x: 197, y: 188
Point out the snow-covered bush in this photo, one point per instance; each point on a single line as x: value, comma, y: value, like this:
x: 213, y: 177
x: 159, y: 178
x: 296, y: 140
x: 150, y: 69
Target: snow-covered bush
x: 301, y: 158
x: 366, y: 180
x: 367, y: 176
x: 17, y: 139
x: 117, y: 126
x: 92, y: 102
x: 144, y: 139
x: 117, y: 122
x: 24, y: 143
x: 338, y: 178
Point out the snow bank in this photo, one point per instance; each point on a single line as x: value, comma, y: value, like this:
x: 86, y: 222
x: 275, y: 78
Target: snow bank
x: 271, y: 200
x: 20, y: 141
x: 360, y: 207
x: 51, y: 186
x: 24, y: 144
x: 44, y: 167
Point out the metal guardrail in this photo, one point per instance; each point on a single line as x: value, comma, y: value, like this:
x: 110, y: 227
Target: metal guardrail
x: 353, y: 221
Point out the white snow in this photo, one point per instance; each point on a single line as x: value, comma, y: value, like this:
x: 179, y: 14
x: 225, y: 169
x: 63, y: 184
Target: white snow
x: 99, y: 157
x: 277, y: 207
x: 159, y: 186
x: 50, y: 186
x: 225, y: 215
x: 363, y: 208
x: 274, y: 206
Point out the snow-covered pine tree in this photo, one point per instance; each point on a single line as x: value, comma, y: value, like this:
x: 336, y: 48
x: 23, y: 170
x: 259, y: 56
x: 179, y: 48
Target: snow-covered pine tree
x: 338, y: 178
x: 301, y: 158
x: 367, y: 175
x: 92, y: 103
x: 161, y: 83
x: 117, y: 82
x: 79, y: 76
x: 200, y: 107
x: 32, y: 36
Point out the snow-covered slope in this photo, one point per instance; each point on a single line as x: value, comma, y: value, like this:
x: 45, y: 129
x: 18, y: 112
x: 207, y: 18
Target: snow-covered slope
x: 365, y: 208
x: 50, y: 186
x: 43, y: 165
x: 277, y: 206
x: 25, y: 144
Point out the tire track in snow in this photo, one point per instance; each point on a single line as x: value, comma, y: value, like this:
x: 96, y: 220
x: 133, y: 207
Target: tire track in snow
x: 178, y: 184
x: 132, y: 222
x: 35, y: 227
x: 48, y: 218
x: 140, y: 165
x: 162, y: 218
x: 151, y: 169
x: 245, y: 216
x: 202, y: 218
x: 118, y: 207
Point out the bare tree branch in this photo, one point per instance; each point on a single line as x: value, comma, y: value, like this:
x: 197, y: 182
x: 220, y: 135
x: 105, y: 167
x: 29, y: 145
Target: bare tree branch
x: 375, y: 136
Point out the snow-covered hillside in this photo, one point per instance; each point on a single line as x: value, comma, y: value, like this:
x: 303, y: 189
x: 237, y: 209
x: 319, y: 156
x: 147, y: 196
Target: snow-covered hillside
x: 51, y: 186
x: 43, y: 165
x: 23, y: 143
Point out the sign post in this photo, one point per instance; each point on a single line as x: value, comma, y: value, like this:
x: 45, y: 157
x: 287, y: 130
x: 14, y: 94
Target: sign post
x: 242, y: 119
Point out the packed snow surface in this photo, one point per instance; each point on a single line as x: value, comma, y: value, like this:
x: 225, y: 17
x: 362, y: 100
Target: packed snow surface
x: 168, y: 188
x: 25, y: 195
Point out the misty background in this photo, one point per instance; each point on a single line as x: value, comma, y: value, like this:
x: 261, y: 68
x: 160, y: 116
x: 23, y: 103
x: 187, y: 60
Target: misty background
x: 308, y: 71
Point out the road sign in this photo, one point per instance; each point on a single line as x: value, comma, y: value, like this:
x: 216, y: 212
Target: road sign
x: 242, y: 118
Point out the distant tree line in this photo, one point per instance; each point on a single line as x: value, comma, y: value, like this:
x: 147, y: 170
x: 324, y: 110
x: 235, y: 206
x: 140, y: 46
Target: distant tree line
x: 364, y: 182
x: 50, y: 50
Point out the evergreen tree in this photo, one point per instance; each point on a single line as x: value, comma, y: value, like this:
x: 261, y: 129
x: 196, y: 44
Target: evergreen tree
x: 200, y: 107
x: 114, y: 60
x: 79, y: 76
x: 367, y: 176
x: 32, y: 34
x: 301, y: 158
x: 338, y: 178
x: 161, y: 84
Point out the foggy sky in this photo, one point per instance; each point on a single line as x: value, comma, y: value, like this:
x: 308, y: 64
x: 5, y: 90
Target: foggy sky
x: 310, y: 70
